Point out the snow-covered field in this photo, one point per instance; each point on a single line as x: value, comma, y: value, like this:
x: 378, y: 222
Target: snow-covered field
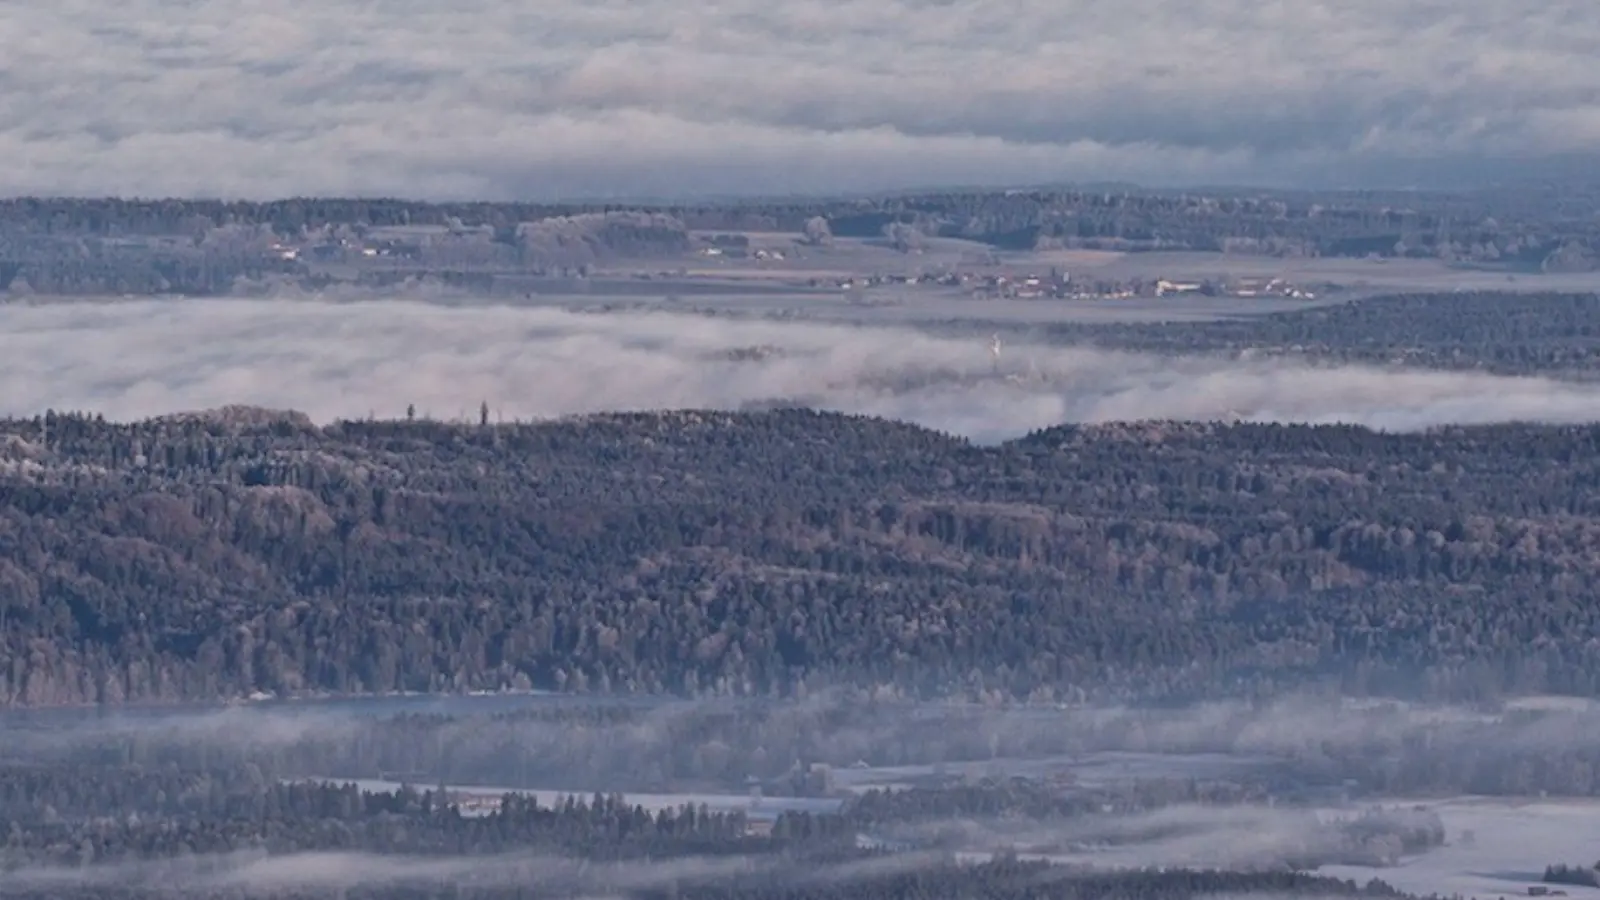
x: 1513, y: 840
x: 1085, y: 770
x: 1495, y: 847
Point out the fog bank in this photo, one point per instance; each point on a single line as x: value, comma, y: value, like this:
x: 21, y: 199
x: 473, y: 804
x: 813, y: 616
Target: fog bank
x: 353, y: 360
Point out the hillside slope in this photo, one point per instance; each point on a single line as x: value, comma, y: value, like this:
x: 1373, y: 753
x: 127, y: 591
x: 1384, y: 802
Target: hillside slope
x: 199, y: 557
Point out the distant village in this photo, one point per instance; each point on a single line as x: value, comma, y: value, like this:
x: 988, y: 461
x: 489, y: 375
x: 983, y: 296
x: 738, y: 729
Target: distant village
x: 988, y: 279
x: 1058, y: 285
x: 579, y: 254
x: 984, y: 280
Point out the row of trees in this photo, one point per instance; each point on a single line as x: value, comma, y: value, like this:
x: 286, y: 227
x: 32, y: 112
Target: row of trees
x: 281, y: 819
x: 1581, y: 876
x: 315, y: 839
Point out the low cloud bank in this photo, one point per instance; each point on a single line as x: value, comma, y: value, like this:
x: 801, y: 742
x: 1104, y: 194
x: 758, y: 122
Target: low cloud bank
x: 352, y: 360
x: 487, y: 98
x: 1100, y: 744
x: 255, y: 872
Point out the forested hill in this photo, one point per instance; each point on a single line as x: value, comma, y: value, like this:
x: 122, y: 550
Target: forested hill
x: 219, y: 555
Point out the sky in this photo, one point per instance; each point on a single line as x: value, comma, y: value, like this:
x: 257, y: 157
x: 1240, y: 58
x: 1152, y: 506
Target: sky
x: 505, y: 99
x: 140, y: 358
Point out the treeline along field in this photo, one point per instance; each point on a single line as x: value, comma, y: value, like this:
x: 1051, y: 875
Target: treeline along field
x: 129, y: 831
x: 1532, y: 334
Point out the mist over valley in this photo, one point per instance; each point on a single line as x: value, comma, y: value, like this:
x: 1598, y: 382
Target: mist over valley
x: 351, y: 360
x: 1050, y: 544
x: 622, y: 598
x: 893, y: 450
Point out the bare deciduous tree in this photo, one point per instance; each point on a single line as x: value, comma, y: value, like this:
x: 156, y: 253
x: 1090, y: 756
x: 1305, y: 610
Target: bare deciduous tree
x: 817, y: 232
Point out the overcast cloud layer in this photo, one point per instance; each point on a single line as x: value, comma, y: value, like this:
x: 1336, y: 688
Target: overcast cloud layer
x: 499, y: 99
x: 350, y: 360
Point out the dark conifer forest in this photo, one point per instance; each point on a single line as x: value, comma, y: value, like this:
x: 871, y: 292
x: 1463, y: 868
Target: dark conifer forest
x: 721, y: 554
